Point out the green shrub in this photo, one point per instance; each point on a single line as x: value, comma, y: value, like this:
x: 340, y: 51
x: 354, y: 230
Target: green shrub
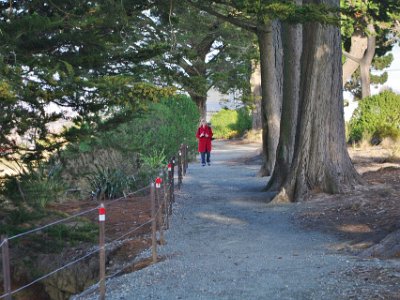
x: 163, y: 127
x: 35, y: 186
x: 108, y: 163
x: 227, y: 124
x: 126, y: 157
x: 377, y: 116
x: 110, y: 182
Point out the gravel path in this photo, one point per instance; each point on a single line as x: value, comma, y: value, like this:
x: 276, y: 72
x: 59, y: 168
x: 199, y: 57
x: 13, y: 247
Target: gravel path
x: 225, y: 242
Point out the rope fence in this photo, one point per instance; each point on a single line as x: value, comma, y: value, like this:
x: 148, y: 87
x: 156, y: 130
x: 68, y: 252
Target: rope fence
x: 161, y: 195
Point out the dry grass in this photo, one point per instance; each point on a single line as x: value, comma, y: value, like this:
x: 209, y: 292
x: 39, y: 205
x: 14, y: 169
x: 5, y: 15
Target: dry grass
x: 253, y: 136
x: 393, y: 147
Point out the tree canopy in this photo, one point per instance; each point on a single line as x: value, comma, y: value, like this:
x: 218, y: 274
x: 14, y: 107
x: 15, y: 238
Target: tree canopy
x: 88, y: 59
x: 369, y: 30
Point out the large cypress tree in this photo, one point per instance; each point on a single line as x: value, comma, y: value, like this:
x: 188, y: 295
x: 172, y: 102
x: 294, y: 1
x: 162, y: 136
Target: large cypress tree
x: 204, y: 53
x: 319, y: 159
x: 87, y: 59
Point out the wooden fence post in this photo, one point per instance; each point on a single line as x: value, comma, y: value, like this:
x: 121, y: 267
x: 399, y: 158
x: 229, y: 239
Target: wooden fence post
x: 166, y: 197
x: 6, y: 267
x: 153, y: 223
x: 102, y: 218
x: 179, y: 168
x: 159, y: 210
x: 173, y: 180
x: 183, y: 149
x: 187, y: 157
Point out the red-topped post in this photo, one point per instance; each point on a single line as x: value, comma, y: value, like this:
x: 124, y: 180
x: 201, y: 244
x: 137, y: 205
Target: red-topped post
x: 102, y: 284
x: 159, y: 210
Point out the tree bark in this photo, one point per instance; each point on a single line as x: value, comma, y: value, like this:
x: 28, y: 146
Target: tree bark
x: 255, y: 84
x: 320, y: 160
x: 201, y: 102
x: 292, y: 43
x: 366, y: 63
x: 357, y: 50
x: 271, y: 90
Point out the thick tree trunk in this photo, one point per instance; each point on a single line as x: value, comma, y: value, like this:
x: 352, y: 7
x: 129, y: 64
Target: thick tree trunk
x: 269, y: 39
x: 357, y: 50
x: 366, y: 63
x: 292, y: 42
x: 320, y: 160
x: 255, y: 84
x: 201, y: 102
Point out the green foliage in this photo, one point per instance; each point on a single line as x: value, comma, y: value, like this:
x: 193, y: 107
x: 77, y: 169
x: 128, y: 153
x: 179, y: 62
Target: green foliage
x: 154, y: 160
x: 160, y: 130
x: 357, y: 17
x: 207, y: 52
x: 55, y: 238
x: 227, y: 124
x: 35, y: 186
x: 377, y: 116
x: 126, y: 157
x: 18, y: 216
x: 84, y: 57
x: 108, y: 181
x: 63, y: 234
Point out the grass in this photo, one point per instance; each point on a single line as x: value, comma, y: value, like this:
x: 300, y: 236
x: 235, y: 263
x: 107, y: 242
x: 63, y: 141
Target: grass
x: 253, y: 136
x: 393, y: 147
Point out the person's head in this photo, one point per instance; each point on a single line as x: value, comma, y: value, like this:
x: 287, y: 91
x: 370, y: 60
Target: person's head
x: 203, y: 122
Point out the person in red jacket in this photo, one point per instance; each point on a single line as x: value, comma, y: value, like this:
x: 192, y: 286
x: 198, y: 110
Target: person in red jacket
x: 204, y: 134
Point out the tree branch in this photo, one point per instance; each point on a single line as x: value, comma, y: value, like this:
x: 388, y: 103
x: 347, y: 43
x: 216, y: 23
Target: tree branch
x: 240, y: 23
x: 353, y: 58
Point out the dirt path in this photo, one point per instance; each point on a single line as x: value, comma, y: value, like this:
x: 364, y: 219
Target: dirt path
x: 225, y: 242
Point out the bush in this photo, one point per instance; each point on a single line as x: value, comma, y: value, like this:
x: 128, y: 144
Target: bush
x: 120, y: 159
x: 35, y: 186
x: 229, y: 124
x: 127, y: 157
x: 162, y: 128
x: 377, y: 116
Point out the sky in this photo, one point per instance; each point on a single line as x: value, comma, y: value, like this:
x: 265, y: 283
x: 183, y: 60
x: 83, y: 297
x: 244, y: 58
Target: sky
x: 393, y: 72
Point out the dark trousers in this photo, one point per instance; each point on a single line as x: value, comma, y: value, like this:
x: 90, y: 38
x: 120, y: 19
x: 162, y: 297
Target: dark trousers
x: 203, y: 157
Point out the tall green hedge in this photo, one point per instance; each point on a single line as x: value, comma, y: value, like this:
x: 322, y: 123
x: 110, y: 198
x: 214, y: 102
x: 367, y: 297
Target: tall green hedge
x: 376, y: 117
x: 162, y: 128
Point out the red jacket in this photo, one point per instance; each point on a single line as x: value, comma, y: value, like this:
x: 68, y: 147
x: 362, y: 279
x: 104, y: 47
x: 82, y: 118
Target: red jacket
x: 204, y: 134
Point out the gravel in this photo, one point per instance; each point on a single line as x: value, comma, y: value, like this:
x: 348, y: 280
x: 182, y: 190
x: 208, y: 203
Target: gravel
x: 226, y: 242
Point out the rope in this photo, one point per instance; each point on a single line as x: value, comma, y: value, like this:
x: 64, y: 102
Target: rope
x: 71, y: 217
x: 127, y: 195
x: 137, y: 228
x: 51, y: 273
x: 53, y: 223
x: 88, y: 291
x: 131, y: 231
x: 92, y: 252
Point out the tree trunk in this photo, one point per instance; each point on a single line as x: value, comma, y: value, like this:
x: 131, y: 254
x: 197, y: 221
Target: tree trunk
x: 320, y: 161
x: 357, y: 50
x: 292, y: 42
x: 271, y: 90
x: 201, y: 102
x: 366, y: 63
x: 255, y: 84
